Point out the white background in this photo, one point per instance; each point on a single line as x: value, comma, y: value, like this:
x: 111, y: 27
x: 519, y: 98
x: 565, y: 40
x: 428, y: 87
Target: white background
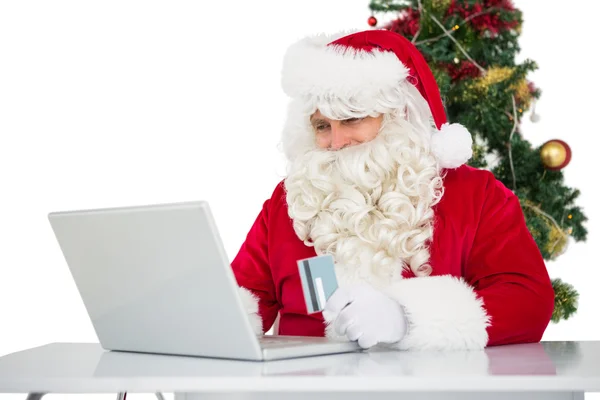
x: 122, y: 103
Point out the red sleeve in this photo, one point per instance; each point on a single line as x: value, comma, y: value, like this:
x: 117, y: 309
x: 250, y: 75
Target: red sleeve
x: 504, y: 296
x: 252, y: 270
x: 507, y: 271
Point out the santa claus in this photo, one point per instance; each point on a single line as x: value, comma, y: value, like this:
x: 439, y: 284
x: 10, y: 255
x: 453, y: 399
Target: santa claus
x: 429, y: 252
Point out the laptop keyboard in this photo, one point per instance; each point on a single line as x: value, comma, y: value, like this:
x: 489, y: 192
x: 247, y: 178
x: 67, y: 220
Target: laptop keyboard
x: 276, y: 341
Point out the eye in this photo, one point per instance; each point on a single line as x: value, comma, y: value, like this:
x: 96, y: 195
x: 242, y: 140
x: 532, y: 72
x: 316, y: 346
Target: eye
x: 352, y: 120
x: 321, y: 127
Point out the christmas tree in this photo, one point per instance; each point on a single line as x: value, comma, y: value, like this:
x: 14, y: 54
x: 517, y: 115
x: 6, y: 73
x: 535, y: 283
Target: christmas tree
x: 470, y: 46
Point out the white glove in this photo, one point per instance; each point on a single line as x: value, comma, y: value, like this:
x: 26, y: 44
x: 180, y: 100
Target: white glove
x: 364, y: 314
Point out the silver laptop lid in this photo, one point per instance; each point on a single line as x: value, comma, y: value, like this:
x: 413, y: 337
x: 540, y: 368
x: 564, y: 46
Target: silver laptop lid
x: 156, y: 279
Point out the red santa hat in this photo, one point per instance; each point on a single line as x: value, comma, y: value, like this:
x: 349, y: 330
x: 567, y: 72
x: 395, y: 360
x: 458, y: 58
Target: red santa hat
x: 365, y: 65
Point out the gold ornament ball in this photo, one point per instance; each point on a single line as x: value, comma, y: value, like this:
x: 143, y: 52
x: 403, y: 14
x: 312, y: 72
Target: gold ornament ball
x: 555, y: 154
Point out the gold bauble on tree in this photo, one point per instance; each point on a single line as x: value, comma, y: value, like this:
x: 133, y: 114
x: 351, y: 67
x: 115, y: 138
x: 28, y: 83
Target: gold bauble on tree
x: 555, y: 154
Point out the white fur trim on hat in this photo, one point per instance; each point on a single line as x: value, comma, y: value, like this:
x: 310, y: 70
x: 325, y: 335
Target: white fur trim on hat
x: 452, y: 145
x: 311, y: 68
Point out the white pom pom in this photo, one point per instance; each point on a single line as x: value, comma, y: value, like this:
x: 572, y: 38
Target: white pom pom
x: 452, y: 145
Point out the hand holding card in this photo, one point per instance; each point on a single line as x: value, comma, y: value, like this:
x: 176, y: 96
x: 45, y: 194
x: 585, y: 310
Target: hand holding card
x: 319, y: 281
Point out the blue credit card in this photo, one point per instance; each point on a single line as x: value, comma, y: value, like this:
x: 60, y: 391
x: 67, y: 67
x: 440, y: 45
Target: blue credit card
x: 319, y: 281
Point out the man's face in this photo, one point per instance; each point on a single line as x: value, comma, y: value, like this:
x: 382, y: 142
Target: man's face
x: 335, y: 134
x: 370, y: 205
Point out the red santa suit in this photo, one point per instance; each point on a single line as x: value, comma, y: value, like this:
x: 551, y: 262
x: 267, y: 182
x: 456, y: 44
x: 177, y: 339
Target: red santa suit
x: 487, y: 284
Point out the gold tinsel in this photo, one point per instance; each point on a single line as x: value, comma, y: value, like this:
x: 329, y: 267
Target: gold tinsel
x: 496, y: 75
x: 440, y: 5
x: 522, y: 92
x: 493, y: 75
x: 557, y: 241
x: 518, y: 29
x: 469, y: 95
x: 558, y: 238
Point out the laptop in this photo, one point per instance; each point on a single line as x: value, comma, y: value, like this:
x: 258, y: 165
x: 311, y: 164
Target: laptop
x: 156, y: 279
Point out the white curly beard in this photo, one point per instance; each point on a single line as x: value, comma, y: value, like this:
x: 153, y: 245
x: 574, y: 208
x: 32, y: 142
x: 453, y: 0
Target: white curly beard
x: 370, y: 205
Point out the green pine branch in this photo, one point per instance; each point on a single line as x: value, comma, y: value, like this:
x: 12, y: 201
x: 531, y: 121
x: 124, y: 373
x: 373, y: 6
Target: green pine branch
x: 387, y: 6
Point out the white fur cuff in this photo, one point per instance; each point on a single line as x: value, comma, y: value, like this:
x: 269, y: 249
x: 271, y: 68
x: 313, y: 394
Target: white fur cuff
x: 443, y: 313
x: 250, y: 302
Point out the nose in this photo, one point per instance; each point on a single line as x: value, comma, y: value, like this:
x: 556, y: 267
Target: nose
x: 339, y: 138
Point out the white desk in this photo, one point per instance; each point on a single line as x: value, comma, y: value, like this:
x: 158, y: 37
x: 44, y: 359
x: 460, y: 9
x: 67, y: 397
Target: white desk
x: 551, y: 370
